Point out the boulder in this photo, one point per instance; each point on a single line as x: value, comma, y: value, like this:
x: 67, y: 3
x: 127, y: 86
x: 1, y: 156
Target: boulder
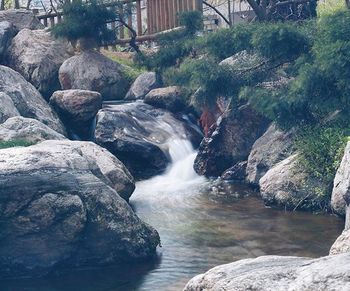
x: 243, y: 60
x: 7, y: 108
x: 28, y: 101
x: 169, y: 98
x: 7, y: 32
x: 21, y: 19
x: 342, y: 244
x: 288, y: 186
x: 143, y: 85
x: 236, y: 173
x: 230, y: 142
x: 37, y: 56
x: 77, y: 109
x: 272, y: 147
x: 91, y: 70
x: 60, y: 209
x: 27, y: 129
x: 276, y: 273
x: 138, y: 135
x: 341, y: 184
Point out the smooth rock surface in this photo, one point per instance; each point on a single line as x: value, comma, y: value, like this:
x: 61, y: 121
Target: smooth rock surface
x: 272, y: 147
x: 92, y: 71
x: 230, y: 142
x: 21, y: 19
x: 7, y: 32
x: 77, y: 109
x: 341, y: 184
x: 27, y: 100
x: 7, y: 108
x: 137, y: 134
x: 60, y: 209
x: 342, y: 244
x: 275, y: 273
x: 27, y: 129
x: 142, y: 86
x: 169, y: 98
x: 288, y: 186
x: 37, y: 56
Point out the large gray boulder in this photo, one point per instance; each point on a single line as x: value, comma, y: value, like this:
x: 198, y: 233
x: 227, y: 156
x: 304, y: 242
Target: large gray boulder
x: 142, y: 86
x: 37, y: 56
x: 243, y: 60
x: 27, y: 129
x: 342, y: 244
x: 7, y: 32
x: 8, y: 108
x: 27, y: 100
x: 21, y: 19
x: 230, y: 142
x: 138, y: 135
x: 272, y: 147
x: 288, y: 186
x: 341, y: 184
x: 77, y: 109
x: 60, y: 207
x: 170, y: 98
x: 275, y: 273
x: 92, y: 71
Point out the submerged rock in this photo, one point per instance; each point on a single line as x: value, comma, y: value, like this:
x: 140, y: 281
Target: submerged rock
x: 60, y: 208
x: 137, y: 134
x: 169, y: 98
x: 142, y: 86
x: 236, y: 173
x: 27, y: 100
x: 230, y: 142
x: 27, y: 129
x: 341, y: 184
x: 21, y: 19
x: 275, y: 273
x: 92, y: 71
x: 7, y: 32
x: 287, y: 185
x: 77, y: 108
x: 37, y: 56
x: 272, y: 147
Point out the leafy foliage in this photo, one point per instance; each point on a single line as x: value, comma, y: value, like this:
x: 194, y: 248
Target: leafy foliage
x: 85, y: 19
x: 15, y: 143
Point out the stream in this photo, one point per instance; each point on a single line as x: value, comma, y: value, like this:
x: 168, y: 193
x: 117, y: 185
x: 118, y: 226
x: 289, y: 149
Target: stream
x: 202, y: 224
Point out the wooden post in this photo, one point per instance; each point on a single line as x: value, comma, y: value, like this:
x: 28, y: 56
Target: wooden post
x: 158, y: 15
x: 121, y: 27
x: 138, y: 17
x: 52, y: 21
x: 129, y: 18
x: 176, y: 12
x: 45, y: 22
x: 59, y: 18
x: 166, y: 15
x: 172, y: 13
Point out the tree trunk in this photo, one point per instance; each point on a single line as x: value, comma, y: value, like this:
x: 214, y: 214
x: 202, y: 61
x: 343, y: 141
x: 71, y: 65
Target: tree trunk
x: 16, y: 4
x: 347, y: 2
x: 2, y: 5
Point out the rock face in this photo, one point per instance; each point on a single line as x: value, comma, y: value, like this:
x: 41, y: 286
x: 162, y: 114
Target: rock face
x: 341, y: 184
x: 37, y: 56
x: 286, y: 185
x: 271, y: 148
x: 7, y: 108
x: 342, y: 244
x: 137, y: 134
x: 59, y: 207
x: 28, y: 129
x: 27, y: 100
x: 77, y: 109
x: 236, y: 173
x: 142, y: 86
x: 169, y: 98
x: 7, y: 32
x: 21, y: 19
x: 93, y: 71
x: 274, y: 273
x: 230, y: 142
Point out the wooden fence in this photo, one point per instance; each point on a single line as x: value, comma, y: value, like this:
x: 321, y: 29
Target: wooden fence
x: 159, y: 16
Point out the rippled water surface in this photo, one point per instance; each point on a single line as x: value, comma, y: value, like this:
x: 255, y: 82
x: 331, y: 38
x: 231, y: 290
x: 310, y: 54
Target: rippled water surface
x: 201, y: 226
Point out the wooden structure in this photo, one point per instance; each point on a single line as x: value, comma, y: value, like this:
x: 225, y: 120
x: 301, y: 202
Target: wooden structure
x: 161, y: 15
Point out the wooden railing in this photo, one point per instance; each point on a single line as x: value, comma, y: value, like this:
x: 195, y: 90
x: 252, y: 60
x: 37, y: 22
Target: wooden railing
x: 159, y: 16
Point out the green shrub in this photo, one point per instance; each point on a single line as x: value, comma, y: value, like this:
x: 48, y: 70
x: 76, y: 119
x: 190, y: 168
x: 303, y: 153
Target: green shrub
x: 321, y: 149
x: 15, y: 143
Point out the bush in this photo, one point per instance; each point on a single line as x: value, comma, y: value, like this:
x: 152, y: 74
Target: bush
x: 321, y: 149
x: 15, y: 143
x: 86, y: 19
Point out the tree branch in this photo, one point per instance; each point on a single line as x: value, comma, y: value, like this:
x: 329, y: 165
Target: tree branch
x: 217, y: 11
